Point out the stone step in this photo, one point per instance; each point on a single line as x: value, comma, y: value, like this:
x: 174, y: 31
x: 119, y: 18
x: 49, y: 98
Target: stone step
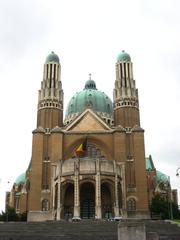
x: 84, y: 230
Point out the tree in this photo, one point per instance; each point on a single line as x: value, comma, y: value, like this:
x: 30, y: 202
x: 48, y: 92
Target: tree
x: 160, y: 206
x: 11, y: 215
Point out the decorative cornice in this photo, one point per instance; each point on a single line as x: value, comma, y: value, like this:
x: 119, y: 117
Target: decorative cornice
x: 119, y: 128
x: 137, y: 128
x: 39, y: 130
x: 57, y: 129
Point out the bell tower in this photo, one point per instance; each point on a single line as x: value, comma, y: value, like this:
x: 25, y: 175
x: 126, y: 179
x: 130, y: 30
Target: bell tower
x: 50, y: 101
x: 126, y: 103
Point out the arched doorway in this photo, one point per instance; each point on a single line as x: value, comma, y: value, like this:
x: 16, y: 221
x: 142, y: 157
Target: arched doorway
x: 106, y: 200
x: 87, y: 200
x: 68, y: 201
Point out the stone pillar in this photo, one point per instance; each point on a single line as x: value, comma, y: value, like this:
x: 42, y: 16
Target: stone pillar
x: 53, y: 183
x: 59, y: 204
x: 76, y: 189
x: 98, y: 191
x: 123, y: 187
x: 116, y: 202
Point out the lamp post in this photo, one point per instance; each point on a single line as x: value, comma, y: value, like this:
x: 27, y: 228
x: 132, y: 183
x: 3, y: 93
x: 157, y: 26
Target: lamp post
x: 177, y: 174
x: 170, y: 199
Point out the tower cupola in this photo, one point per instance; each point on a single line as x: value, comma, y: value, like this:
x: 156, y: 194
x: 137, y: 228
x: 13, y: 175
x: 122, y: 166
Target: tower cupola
x: 52, y: 57
x: 123, y: 57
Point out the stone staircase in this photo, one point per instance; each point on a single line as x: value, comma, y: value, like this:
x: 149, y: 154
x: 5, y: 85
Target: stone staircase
x: 84, y: 230
x: 165, y: 230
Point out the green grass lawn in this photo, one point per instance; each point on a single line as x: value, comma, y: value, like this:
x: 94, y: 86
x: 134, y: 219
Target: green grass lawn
x: 177, y: 220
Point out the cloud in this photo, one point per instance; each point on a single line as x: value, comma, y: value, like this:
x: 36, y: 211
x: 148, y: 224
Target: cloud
x: 88, y: 35
x: 23, y: 24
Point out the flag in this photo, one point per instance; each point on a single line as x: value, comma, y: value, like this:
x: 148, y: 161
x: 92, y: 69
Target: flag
x: 81, y: 149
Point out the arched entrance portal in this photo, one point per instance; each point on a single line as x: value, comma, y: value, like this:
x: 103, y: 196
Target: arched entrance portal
x: 68, y: 201
x: 87, y: 200
x: 106, y: 201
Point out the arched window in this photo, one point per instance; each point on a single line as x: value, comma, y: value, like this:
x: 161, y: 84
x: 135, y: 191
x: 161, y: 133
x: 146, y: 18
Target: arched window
x: 131, y: 204
x: 17, y: 203
x: 45, y: 205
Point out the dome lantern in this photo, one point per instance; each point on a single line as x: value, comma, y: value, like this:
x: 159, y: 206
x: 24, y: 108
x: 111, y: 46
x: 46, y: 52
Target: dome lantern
x: 90, y: 84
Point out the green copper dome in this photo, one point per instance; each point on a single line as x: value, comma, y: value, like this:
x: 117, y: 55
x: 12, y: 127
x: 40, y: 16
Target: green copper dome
x: 161, y: 177
x: 52, y: 57
x: 21, y: 178
x: 123, y: 56
x: 89, y: 97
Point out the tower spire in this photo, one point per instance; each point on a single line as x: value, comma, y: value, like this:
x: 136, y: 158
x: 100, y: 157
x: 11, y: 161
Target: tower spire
x: 50, y: 102
x: 126, y: 103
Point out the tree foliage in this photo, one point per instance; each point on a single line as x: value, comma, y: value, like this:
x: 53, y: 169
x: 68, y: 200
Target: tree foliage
x: 11, y: 215
x: 160, y: 206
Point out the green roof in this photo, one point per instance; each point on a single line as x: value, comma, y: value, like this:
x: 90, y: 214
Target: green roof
x: 90, y: 97
x: 21, y: 178
x: 52, y: 57
x: 149, y: 163
x: 161, y: 177
x: 123, y: 56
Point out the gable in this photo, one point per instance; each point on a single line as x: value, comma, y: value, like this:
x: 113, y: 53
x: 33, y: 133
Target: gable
x: 88, y: 121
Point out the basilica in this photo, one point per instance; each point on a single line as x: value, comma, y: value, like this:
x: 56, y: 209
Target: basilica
x: 91, y: 163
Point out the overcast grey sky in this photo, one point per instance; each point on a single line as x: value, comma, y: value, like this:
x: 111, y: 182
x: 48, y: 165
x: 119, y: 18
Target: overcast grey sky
x: 87, y: 36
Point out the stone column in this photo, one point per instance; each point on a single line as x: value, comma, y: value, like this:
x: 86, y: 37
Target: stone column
x: 76, y: 189
x: 98, y: 191
x: 59, y: 204
x: 123, y: 186
x: 116, y: 202
x: 53, y: 183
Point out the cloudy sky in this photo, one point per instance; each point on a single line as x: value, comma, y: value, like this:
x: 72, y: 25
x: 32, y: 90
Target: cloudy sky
x: 87, y: 36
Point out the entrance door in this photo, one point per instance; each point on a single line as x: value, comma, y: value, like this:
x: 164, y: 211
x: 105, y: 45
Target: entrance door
x: 68, y: 201
x: 106, y: 201
x: 87, y: 209
x: 87, y: 199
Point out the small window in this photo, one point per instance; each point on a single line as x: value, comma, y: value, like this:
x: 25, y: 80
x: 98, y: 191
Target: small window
x: 131, y: 204
x: 45, y: 205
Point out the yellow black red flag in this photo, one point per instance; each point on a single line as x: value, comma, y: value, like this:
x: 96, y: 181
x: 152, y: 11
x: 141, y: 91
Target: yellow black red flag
x: 81, y: 149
